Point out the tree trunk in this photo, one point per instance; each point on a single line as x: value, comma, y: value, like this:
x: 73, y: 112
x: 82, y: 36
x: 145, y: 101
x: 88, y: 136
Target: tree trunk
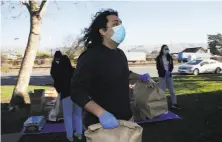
x: 28, y: 61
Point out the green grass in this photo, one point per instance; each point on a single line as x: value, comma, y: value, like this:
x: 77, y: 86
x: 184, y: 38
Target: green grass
x: 197, y: 84
x: 6, y: 91
x: 182, y: 84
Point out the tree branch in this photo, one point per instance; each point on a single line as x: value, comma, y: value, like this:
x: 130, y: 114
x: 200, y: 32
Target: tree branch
x: 27, y: 5
x: 42, y: 8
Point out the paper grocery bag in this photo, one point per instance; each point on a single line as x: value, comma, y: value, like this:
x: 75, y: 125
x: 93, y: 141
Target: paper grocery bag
x: 56, y: 113
x: 137, y: 115
x: 150, y: 101
x: 126, y: 132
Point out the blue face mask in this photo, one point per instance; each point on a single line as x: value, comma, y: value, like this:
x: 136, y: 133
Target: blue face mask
x: 166, y: 52
x: 119, y: 34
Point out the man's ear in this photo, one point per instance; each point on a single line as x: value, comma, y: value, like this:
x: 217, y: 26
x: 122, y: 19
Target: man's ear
x: 102, y: 31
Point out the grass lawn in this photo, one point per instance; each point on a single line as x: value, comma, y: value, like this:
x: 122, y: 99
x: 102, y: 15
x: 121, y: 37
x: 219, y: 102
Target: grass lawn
x: 201, y: 114
x: 186, y: 84
x: 197, y: 84
x: 190, y: 84
x: 6, y: 92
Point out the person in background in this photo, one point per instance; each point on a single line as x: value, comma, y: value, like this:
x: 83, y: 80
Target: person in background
x: 55, y: 70
x: 70, y: 109
x: 164, y: 65
x: 100, y: 83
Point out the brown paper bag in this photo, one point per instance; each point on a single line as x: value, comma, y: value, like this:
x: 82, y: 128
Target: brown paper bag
x: 126, y: 132
x: 137, y: 115
x: 150, y: 101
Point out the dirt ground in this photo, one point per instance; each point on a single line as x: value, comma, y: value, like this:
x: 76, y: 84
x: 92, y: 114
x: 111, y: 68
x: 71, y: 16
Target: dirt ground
x: 201, y: 122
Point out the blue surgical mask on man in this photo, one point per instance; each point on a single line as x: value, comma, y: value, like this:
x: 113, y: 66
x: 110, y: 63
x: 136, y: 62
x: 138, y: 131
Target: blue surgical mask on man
x: 166, y: 52
x: 119, y: 34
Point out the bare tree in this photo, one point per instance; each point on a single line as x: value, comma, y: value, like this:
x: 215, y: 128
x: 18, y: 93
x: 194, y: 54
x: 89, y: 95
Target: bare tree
x: 215, y: 44
x: 73, y: 48
x: 36, y: 11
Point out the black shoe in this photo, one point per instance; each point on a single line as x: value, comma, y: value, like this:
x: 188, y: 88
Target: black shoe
x: 176, y: 106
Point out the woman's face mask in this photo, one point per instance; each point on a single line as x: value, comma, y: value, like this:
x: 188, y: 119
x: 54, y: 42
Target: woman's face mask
x: 119, y: 33
x: 166, y: 52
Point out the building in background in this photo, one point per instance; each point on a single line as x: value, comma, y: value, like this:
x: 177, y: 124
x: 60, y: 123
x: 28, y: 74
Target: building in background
x: 194, y: 53
x: 135, y: 56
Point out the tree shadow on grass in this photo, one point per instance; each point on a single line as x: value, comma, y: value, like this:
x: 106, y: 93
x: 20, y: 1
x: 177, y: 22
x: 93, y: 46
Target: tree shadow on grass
x: 201, y: 122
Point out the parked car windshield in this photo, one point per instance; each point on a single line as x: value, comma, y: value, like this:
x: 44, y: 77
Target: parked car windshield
x: 194, y: 62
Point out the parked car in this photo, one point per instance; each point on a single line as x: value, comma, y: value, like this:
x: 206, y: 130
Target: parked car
x: 201, y: 66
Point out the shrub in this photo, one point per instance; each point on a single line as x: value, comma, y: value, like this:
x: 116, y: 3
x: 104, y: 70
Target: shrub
x: 40, y: 62
x: 15, y: 63
x: 3, y: 58
x: 5, y: 68
x: 19, y: 55
x: 42, y: 55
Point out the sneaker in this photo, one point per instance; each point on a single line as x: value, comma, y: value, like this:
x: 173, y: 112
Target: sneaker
x: 176, y: 106
x: 78, y: 137
x: 70, y: 138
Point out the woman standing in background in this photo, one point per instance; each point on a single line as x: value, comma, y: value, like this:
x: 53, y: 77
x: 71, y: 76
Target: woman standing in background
x: 164, y: 65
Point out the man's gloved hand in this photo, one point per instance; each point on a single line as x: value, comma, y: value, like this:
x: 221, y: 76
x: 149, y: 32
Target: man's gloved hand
x: 108, y: 121
x: 152, y: 83
x: 168, y: 73
x: 144, y: 77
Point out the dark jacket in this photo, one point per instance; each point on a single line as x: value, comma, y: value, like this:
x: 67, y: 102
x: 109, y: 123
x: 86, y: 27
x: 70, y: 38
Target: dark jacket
x: 160, y: 65
x: 63, y: 79
x: 55, y: 75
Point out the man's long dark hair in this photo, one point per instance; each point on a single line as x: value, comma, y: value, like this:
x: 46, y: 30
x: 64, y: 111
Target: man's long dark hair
x: 92, y: 35
x: 161, y: 52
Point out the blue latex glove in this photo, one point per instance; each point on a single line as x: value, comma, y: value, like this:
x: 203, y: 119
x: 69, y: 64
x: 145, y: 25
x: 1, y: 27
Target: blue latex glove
x: 168, y: 73
x: 108, y: 121
x: 144, y: 77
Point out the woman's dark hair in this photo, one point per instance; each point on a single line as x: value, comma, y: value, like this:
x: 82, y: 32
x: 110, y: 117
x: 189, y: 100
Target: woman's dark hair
x: 92, y: 35
x: 161, y: 52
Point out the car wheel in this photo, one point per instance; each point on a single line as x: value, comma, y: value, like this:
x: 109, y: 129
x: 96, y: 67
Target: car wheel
x: 218, y: 70
x: 196, y: 72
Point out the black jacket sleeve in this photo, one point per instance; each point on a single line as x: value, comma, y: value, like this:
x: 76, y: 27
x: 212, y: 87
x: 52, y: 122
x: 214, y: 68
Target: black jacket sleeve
x: 66, y: 72
x: 171, y: 64
x: 55, y: 75
x: 81, y: 80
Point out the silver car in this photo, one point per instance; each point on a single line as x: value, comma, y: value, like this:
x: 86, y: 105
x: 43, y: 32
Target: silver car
x: 201, y: 66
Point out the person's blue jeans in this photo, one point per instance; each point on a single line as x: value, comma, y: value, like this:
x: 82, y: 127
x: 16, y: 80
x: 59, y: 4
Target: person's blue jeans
x: 70, y: 111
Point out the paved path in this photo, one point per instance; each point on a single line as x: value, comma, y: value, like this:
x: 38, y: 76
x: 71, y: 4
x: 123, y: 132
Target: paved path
x: 42, y: 77
x: 151, y: 69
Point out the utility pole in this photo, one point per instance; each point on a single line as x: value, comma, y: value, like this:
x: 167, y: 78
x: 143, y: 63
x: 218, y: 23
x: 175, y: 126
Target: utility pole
x: 51, y: 52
